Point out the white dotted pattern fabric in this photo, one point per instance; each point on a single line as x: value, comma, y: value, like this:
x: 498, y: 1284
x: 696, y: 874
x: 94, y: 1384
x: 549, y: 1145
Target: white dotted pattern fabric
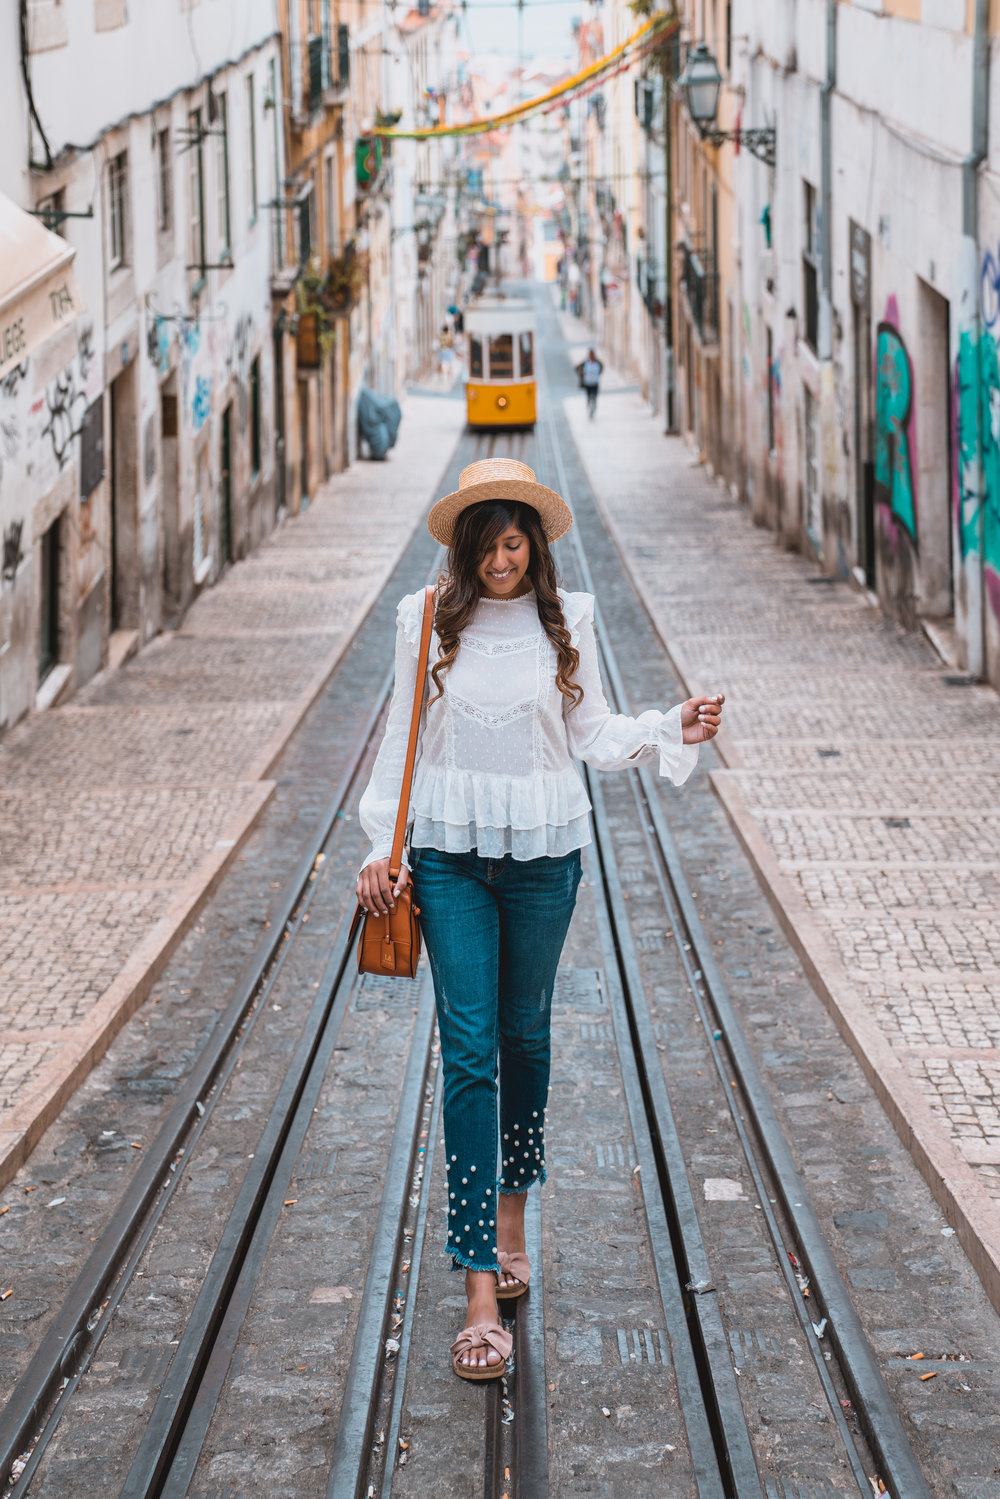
x: 495, y: 768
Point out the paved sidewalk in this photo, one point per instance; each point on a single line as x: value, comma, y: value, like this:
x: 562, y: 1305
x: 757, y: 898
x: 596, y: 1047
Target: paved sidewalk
x: 863, y: 779
x: 120, y: 811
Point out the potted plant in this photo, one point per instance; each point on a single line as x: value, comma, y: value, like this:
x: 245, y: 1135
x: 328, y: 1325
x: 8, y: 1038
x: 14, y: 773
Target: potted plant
x: 316, y: 331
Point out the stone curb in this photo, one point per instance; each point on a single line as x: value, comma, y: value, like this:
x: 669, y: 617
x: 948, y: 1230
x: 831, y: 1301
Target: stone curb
x: 968, y: 1207
x: 42, y: 1103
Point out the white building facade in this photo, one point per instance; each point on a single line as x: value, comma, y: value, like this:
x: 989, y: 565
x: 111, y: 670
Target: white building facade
x: 138, y: 455
x: 870, y: 297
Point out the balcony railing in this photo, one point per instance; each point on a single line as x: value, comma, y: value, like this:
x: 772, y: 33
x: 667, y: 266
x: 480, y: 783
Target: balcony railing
x: 701, y: 283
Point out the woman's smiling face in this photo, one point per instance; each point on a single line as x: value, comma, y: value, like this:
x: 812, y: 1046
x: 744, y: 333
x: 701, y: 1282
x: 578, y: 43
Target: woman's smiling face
x: 502, y: 572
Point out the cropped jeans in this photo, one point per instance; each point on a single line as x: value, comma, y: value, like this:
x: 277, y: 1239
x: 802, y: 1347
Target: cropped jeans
x: 494, y: 930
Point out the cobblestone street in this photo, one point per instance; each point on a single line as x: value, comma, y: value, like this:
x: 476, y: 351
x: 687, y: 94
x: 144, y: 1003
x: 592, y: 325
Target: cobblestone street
x: 120, y: 811
x: 862, y: 775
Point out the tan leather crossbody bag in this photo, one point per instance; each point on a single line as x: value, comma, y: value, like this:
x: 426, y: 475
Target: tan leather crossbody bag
x: 390, y: 944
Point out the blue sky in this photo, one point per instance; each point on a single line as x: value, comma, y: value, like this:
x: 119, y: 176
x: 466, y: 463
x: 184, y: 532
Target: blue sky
x: 492, y: 27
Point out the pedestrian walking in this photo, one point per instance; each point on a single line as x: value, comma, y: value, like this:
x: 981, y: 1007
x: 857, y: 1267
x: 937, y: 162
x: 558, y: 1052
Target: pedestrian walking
x: 446, y: 350
x: 589, y: 373
x: 498, y: 816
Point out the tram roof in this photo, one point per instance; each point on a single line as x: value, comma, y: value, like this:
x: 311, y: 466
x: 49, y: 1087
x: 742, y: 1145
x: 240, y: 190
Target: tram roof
x: 500, y: 315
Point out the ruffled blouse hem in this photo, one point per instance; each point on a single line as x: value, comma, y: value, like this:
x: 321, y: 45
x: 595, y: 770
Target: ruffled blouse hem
x: 494, y: 843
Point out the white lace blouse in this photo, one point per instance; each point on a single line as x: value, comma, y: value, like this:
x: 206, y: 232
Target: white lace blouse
x: 495, y: 765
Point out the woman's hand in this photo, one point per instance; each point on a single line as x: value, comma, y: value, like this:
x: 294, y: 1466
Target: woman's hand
x: 701, y: 717
x: 376, y: 891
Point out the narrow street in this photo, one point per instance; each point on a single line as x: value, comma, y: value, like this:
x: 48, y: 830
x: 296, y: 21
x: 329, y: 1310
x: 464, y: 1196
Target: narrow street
x: 768, y: 1245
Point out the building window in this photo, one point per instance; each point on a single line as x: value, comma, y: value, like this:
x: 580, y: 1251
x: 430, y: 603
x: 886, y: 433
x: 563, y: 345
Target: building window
x: 52, y: 210
x: 278, y: 216
x: 502, y: 357
x: 48, y: 632
x: 222, y: 177
x: 330, y: 203
x: 196, y: 194
x: 305, y: 209
x: 255, y: 417
x: 252, y: 148
x: 164, y: 182
x: 771, y: 393
x: 117, y: 209
x: 810, y: 264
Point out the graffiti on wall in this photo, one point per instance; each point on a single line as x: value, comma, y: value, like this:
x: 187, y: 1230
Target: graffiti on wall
x: 201, y: 402
x: 12, y: 553
x: 977, y: 420
x: 66, y: 400
x: 895, y: 465
x: 989, y: 288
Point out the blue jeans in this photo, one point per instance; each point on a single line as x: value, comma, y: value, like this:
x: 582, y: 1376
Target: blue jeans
x: 494, y: 930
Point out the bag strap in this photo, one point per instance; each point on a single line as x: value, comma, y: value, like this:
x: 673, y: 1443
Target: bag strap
x: 396, y: 856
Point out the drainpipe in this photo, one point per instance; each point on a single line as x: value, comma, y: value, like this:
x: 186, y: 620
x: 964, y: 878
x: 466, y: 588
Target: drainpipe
x: 969, y: 327
x: 825, y: 330
x: 670, y: 417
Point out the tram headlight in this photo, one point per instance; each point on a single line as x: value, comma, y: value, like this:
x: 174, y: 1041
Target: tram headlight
x: 502, y: 402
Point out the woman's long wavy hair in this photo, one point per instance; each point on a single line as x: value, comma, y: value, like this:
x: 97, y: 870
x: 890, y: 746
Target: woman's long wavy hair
x: 476, y: 530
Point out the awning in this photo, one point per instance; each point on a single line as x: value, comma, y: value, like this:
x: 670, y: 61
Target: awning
x: 38, y: 295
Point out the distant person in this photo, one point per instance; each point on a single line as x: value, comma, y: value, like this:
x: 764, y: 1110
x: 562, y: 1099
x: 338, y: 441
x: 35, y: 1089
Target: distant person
x: 446, y: 350
x: 573, y: 281
x: 589, y: 371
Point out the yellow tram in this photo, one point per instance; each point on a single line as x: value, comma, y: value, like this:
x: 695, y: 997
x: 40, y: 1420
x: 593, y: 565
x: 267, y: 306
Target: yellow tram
x: 500, y: 379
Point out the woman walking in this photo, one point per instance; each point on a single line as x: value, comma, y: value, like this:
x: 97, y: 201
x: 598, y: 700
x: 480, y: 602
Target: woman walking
x: 499, y: 816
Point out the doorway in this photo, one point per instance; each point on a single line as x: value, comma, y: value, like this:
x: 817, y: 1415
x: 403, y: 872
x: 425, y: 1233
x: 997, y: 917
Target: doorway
x: 303, y: 444
x: 124, y: 469
x: 173, y: 570
x: 48, y: 623
x: 226, y: 488
x: 932, y: 398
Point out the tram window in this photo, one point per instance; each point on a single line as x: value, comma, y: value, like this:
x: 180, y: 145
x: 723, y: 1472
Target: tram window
x: 527, y: 356
x: 502, y: 357
x: 476, y: 358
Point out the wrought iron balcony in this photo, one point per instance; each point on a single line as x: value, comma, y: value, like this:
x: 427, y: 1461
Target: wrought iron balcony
x: 701, y: 282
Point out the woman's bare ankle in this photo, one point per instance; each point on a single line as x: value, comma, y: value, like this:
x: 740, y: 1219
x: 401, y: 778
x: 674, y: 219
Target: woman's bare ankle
x: 510, y: 1221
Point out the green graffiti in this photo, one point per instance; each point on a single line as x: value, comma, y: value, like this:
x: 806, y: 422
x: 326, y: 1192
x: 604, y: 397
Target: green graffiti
x: 968, y: 441
x: 893, y: 401
x: 979, y: 428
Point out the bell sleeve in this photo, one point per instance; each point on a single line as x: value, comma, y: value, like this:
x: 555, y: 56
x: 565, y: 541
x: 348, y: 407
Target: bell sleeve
x: 380, y: 800
x: 613, y: 741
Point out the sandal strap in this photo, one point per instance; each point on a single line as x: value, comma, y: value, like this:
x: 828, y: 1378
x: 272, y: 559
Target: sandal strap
x: 483, y: 1335
x: 515, y: 1264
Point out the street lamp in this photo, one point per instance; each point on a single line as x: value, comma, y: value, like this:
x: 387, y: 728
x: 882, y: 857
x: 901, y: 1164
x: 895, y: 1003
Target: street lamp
x: 699, y: 84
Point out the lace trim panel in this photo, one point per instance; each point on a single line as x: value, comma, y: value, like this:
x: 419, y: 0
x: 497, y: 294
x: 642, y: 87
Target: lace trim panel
x: 481, y: 647
x: 481, y: 715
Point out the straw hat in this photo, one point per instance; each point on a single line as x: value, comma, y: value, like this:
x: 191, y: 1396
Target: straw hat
x: 499, y: 479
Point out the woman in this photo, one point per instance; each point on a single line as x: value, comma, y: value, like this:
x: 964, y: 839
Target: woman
x: 499, y: 816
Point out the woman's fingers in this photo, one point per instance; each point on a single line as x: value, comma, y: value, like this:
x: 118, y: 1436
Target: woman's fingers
x: 376, y: 891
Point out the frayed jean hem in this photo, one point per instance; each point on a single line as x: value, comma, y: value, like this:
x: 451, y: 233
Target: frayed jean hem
x: 463, y: 1262
x: 520, y: 1191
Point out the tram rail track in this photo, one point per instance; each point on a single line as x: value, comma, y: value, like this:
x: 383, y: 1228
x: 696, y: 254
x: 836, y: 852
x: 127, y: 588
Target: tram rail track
x: 369, y: 1438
